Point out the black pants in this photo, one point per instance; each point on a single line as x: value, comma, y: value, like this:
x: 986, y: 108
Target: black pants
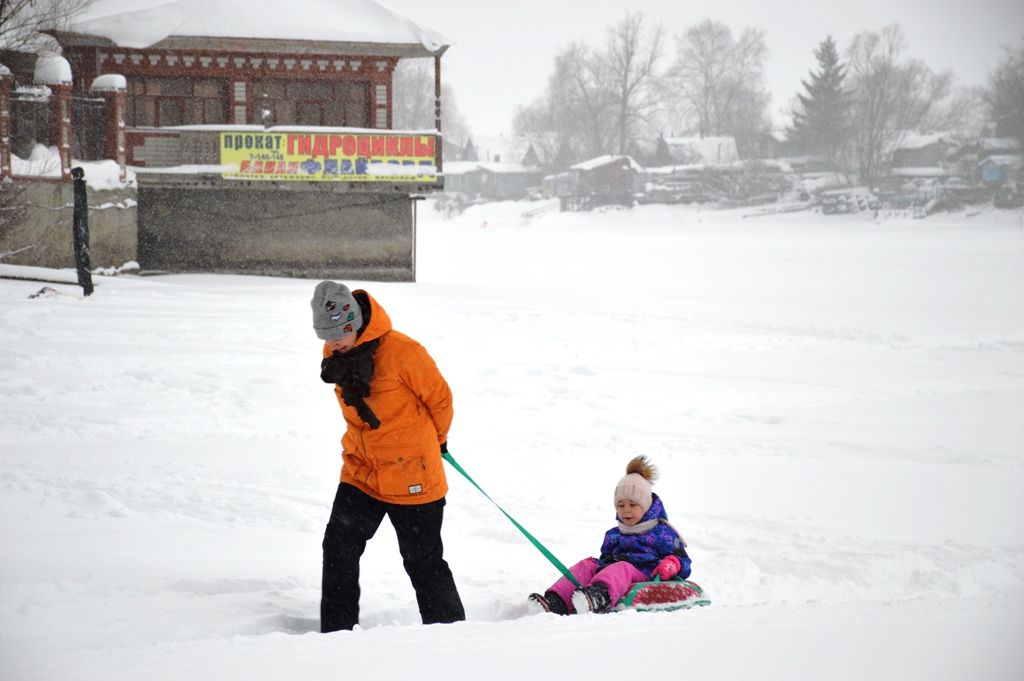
x: 355, y: 518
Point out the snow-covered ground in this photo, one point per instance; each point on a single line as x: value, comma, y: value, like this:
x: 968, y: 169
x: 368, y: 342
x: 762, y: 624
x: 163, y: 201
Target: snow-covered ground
x: 835, y: 404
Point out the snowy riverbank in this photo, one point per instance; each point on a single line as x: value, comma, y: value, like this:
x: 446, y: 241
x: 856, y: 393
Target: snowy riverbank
x: 834, y: 403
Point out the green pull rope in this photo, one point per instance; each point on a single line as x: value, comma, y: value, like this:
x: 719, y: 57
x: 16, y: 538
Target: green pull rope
x: 533, y: 540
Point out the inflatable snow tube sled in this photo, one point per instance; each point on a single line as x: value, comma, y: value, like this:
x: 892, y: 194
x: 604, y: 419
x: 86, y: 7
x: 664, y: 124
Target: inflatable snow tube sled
x: 675, y: 594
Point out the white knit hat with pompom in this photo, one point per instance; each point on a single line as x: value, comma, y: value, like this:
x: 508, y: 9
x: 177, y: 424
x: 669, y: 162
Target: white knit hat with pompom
x: 635, y: 486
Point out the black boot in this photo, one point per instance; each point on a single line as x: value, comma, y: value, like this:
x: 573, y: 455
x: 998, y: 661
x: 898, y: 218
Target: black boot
x: 593, y: 598
x: 550, y: 602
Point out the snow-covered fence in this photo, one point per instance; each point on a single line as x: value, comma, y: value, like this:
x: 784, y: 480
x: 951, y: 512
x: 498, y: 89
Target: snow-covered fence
x: 30, y: 119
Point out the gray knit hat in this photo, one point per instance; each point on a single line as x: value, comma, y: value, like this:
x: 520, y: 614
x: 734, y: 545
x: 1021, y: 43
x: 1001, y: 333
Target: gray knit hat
x: 336, y: 313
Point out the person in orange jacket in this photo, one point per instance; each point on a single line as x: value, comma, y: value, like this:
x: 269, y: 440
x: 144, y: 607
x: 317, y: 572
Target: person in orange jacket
x: 397, y: 409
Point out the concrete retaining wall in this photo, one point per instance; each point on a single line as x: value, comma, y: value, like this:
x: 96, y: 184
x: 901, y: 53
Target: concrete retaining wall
x: 279, y: 232
x: 47, y: 227
x: 367, y: 236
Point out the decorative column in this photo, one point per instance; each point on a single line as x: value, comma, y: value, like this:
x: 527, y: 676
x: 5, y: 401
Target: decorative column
x: 6, y: 82
x: 54, y: 72
x: 113, y: 88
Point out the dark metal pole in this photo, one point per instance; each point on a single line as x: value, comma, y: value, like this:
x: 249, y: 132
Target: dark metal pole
x: 437, y: 93
x: 80, y: 227
x: 437, y: 112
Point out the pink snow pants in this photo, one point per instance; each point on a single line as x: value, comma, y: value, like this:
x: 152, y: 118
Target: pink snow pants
x: 618, y: 577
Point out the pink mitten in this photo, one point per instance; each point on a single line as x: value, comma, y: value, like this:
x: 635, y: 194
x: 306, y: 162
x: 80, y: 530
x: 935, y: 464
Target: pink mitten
x: 668, y: 568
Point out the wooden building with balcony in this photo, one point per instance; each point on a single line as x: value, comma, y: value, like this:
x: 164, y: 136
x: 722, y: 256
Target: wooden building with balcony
x: 262, y: 138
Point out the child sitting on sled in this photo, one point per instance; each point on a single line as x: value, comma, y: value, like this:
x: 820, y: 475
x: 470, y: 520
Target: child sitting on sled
x: 642, y: 546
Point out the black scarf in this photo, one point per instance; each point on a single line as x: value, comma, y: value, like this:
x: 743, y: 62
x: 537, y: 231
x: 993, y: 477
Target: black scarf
x: 353, y: 371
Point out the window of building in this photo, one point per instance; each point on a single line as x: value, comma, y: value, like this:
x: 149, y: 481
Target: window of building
x: 335, y: 104
x: 176, y: 101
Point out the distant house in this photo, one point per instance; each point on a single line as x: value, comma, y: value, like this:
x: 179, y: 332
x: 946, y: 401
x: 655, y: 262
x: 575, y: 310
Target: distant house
x: 502, y: 148
x: 929, y: 150
x: 490, y: 181
x: 494, y: 168
x: 808, y: 163
x: 769, y: 145
x: 463, y: 177
x: 531, y: 159
x: 703, y: 150
x: 988, y: 146
x: 920, y: 172
x: 600, y: 181
x: 999, y: 169
x: 967, y: 159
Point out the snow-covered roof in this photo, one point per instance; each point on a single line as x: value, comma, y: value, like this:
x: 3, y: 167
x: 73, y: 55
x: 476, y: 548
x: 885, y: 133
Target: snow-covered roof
x: 466, y: 167
x: 460, y: 167
x: 504, y: 168
x: 334, y: 21
x: 1004, y: 160
x: 916, y: 140
x: 998, y: 143
x: 706, y: 149
x: 507, y: 148
x: 927, y: 171
x: 799, y: 159
x: 52, y: 69
x: 606, y: 160
x: 782, y: 165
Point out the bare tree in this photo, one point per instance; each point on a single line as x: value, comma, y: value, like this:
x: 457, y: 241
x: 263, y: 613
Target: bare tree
x: 574, y: 116
x: 22, y: 20
x: 890, y: 97
x: 1006, y: 93
x: 628, y: 70
x: 963, y: 112
x: 536, y: 123
x: 721, y: 81
x: 413, y: 101
x: 580, y: 104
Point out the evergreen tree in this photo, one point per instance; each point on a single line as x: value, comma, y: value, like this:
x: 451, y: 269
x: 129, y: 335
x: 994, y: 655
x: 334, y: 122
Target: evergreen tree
x: 469, y: 151
x: 530, y: 158
x: 662, y: 154
x: 821, y: 121
x: 565, y: 156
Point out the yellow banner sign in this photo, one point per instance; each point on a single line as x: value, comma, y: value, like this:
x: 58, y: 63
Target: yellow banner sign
x: 334, y: 157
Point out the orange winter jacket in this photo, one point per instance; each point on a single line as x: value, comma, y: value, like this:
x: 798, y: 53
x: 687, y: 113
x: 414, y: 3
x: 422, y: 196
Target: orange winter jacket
x: 399, y: 462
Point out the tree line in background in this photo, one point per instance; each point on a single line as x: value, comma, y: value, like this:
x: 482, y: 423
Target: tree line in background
x: 615, y: 97
x: 412, y: 101
x: 855, y: 107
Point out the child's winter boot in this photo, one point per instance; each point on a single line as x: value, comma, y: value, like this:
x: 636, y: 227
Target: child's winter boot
x: 593, y: 598
x: 549, y: 602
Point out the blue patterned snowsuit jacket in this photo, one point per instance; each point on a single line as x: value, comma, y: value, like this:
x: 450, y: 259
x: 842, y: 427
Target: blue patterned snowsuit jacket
x: 646, y: 550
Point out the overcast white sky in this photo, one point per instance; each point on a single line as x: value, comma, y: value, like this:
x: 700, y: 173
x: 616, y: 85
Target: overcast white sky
x: 503, y: 51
